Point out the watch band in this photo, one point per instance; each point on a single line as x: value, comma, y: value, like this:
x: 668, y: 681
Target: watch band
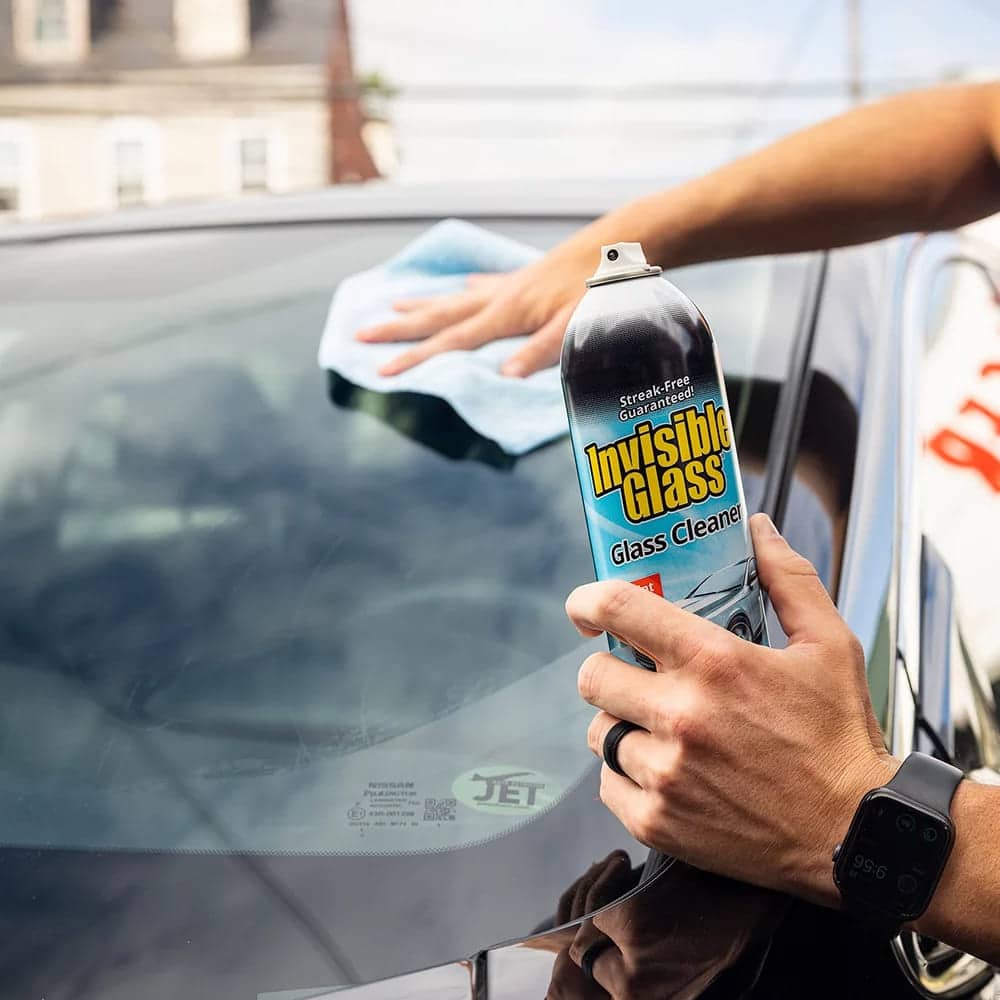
x: 929, y: 784
x: 876, y: 925
x: 927, y: 780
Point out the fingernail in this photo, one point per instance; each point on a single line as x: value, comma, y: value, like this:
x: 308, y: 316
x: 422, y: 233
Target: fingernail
x: 390, y: 369
x: 364, y: 335
x: 513, y: 368
x: 767, y: 525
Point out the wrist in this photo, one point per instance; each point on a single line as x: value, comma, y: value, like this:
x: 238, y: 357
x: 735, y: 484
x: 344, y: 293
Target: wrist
x: 644, y: 220
x: 834, y: 813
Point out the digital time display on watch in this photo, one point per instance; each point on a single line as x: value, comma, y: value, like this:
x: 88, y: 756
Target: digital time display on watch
x: 893, y: 855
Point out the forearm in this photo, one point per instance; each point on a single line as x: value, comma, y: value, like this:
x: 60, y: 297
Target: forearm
x: 965, y: 911
x: 923, y: 161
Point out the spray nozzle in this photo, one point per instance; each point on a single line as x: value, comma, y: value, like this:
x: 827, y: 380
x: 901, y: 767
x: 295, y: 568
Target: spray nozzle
x: 620, y: 261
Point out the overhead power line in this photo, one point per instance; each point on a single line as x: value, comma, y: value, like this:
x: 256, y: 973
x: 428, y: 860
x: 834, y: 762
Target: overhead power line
x: 705, y: 90
x: 708, y: 89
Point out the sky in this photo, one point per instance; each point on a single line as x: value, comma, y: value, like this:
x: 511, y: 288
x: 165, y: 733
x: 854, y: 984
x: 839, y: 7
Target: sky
x: 476, y: 77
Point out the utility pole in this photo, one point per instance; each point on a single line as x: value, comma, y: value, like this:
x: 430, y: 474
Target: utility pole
x: 855, y: 88
x: 350, y: 160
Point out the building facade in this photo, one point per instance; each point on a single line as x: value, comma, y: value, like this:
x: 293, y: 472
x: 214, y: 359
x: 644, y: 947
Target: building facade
x: 108, y: 104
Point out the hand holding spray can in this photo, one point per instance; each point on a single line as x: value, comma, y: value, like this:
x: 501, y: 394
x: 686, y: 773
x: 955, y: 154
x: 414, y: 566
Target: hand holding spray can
x: 653, y: 443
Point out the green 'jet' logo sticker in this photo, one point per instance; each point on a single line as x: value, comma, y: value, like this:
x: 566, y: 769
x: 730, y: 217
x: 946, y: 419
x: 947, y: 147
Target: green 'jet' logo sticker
x: 504, y: 790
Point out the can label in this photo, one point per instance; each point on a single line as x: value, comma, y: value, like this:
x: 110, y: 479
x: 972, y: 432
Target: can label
x: 664, y: 501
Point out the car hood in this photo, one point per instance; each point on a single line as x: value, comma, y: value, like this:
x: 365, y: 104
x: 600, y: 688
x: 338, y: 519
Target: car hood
x: 706, y: 604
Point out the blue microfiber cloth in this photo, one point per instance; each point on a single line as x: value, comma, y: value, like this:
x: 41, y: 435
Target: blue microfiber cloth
x: 518, y: 414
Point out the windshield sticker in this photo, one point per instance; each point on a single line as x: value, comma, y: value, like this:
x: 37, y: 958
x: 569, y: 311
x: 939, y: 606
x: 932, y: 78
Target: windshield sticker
x: 505, y: 791
x: 397, y: 805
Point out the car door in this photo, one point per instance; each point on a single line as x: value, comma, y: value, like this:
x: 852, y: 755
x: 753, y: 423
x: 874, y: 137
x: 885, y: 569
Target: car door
x: 948, y: 313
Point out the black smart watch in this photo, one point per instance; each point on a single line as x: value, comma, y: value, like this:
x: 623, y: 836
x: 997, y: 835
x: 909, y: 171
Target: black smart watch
x: 896, y: 849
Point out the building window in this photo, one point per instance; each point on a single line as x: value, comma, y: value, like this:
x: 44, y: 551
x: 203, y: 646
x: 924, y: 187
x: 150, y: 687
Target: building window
x: 130, y: 175
x: 253, y: 156
x: 131, y: 163
x: 51, y: 31
x: 10, y: 179
x: 254, y: 164
x: 51, y: 21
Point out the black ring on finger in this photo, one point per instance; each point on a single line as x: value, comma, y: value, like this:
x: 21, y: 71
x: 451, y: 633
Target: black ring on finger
x: 615, y: 735
x: 588, y: 958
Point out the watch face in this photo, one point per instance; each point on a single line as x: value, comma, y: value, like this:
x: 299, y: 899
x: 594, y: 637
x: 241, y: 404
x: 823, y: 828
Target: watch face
x: 893, y: 856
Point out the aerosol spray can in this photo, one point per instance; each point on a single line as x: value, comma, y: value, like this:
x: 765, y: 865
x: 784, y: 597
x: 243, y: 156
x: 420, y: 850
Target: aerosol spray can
x: 654, y: 448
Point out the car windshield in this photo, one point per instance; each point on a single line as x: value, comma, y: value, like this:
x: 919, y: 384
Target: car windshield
x: 725, y: 580
x: 248, y: 611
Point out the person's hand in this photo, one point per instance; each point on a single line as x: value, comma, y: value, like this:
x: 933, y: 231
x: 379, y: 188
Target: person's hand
x: 536, y: 300
x: 678, y: 935
x: 672, y: 939
x: 751, y: 761
x: 602, y: 883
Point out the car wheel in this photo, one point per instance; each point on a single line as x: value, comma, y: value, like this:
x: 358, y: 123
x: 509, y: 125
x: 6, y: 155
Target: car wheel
x: 740, y: 626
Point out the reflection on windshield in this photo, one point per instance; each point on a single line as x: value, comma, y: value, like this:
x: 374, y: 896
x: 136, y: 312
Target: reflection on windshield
x: 266, y: 584
x: 426, y: 419
x: 687, y: 935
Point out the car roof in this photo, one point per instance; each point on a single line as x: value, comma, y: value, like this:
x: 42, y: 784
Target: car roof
x: 377, y: 201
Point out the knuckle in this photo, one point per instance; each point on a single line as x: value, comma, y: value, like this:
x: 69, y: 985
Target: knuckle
x: 514, y: 297
x: 613, y: 598
x: 684, y: 722
x: 547, y: 344
x: 604, y: 792
x: 566, y: 901
x: 595, y: 733
x: 662, y: 717
x: 588, y: 679
x: 798, y: 565
x: 437, y: 316
x: 665, y: 777
x: 645, y: 822
x: 687, y: 728
x: 450, y: 339
x: 853, y: 647
x: 716, y: 656
x: 533, y: 350
x: 840, y: 643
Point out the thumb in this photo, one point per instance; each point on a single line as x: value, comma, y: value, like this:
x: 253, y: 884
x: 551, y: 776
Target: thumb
x: 800, y: 600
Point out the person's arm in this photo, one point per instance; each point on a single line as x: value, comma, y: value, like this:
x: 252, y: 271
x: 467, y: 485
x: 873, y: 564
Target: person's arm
x: 922, y: 161
x: 926, y: 160
x: 751, y: 762
x: 965, y: 910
